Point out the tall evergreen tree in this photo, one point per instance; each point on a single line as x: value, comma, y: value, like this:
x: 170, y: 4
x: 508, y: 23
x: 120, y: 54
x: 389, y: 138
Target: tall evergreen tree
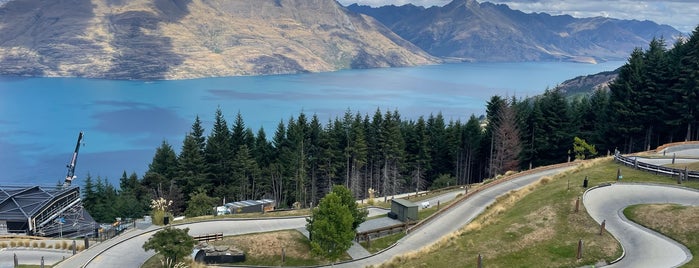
x: 163, y: 168
x: 472, y: 140
x: 506, y: 141
x: 218, y: 157
x: 624, y: 104
x: 192, y: 166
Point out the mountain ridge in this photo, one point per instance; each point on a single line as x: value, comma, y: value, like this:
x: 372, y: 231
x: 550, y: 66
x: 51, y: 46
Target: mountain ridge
x: 472, y: 31
x: 178, y: 39
x: 181, y: 39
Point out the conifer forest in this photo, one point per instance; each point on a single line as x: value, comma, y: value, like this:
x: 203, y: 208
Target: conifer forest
x: 654, y: 100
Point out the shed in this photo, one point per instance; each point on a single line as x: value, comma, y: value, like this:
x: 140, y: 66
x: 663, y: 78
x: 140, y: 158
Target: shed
x: 404, y: 209
x: 247, y: 206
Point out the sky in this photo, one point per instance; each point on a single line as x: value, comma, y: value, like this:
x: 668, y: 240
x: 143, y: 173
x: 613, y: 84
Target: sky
x: 681, y: 14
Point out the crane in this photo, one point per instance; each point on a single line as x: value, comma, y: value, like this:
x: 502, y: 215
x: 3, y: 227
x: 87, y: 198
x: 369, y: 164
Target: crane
x: 71, y: 166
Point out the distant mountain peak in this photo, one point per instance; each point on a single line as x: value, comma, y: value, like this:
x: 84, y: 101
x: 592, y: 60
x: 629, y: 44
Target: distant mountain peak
x: 470, y: 31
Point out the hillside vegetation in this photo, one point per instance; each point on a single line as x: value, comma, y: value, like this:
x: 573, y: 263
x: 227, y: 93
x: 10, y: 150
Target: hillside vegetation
x: 538, y: 224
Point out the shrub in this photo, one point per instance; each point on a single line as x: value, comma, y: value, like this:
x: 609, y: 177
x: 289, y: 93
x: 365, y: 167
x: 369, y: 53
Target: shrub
x: 35, y: 244
x: 26, y: 243
x: 3, y: 245
x: 42, y: 244
x: 64, y: 245
x: 13, y: 243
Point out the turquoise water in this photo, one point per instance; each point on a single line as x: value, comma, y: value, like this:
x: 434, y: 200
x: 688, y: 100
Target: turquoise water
x: 124, y: 121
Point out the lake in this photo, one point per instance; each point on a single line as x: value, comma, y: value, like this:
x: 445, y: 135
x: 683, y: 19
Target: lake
x: 125, y: 121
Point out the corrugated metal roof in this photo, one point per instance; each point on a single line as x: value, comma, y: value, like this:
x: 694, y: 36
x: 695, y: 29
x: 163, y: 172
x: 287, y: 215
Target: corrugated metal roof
x: 249, y: 203
x: 22, y: 202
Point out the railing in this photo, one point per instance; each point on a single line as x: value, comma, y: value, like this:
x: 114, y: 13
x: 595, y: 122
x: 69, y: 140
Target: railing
x: 633, y: 162
x: 208, y: 237
x: 380, y: 232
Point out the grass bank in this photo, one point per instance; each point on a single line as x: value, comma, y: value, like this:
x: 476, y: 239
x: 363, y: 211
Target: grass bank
x: 536, y: 226
x: 265, y: 249
x: 681, y: 223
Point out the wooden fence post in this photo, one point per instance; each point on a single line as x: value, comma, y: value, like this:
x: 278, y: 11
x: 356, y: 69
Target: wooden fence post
x: 601, y: 229
x: 577, y: 205
x: 580, y: 245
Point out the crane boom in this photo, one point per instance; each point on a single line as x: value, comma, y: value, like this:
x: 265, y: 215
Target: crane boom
x: 71, y: 166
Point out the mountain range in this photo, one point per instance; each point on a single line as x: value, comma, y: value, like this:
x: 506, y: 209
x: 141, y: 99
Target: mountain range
x: 178, y: 39
x: 175, y: 39
x: 471, y: 31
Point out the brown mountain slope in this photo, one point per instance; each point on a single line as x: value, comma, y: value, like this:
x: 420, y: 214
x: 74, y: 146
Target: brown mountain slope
x: 473, y: 30
x: 175, y: 39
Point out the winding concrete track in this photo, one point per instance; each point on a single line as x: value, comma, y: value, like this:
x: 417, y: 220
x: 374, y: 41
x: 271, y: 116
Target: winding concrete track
x: 127, y: 251
x: 643, y: 247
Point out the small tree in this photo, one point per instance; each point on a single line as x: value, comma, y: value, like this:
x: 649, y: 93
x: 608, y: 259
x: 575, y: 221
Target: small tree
x: 444, y: 180
x: 172, y: 243
x: 200, y: 204
x: 358, y: 214
x: 330, y: 227
x: 582, y: 149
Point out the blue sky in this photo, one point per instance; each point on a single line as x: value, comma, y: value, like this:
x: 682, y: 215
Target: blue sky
x: 681, y: 14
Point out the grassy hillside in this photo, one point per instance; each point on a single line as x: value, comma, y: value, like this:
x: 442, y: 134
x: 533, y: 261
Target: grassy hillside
x: 534, y: 227
x: 680, y: 223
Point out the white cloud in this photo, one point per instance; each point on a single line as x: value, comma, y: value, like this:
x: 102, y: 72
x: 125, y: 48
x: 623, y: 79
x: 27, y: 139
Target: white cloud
x: 681, y: 14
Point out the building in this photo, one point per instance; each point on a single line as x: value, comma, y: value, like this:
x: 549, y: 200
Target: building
x: 44, y: 211
x: 247, y: 206
x: 404, y: 210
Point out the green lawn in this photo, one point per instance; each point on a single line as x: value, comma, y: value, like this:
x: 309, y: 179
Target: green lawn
x: 383, y: 242
x: 535, y: 227
x: 680, y: 223
x: 689, y: 166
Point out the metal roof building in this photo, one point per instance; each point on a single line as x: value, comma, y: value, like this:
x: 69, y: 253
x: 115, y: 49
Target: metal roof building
x: 404, y: 209
x: 43, y: 211
x: 249, y: 206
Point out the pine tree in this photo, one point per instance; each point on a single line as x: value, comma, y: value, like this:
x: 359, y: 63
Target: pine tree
x: 239, y: 135
x: 624, y: 105
x: 472, y: 135
x: 192, y: 168
x: 492, y: 111
x: 506, y: 141
x: 418, y: 150
x: 358, y: 155
x: 217, y: 154
x: 163, y: 167
x: 438, y: 147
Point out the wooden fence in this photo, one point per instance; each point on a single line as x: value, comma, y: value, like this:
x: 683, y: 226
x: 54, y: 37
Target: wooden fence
x: 208, y: 237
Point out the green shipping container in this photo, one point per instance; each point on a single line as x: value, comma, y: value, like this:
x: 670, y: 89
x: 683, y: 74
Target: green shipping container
x: 406, y: 210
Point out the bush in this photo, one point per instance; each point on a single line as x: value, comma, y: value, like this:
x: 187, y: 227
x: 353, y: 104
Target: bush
x: 35, y: 244
x: 13, y: 243
x: 26, y: 243
x: 64, y: 245
x: 3, y: 245
x: 159, y: 216
x: 42, y: 244
x: 444, y: 180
